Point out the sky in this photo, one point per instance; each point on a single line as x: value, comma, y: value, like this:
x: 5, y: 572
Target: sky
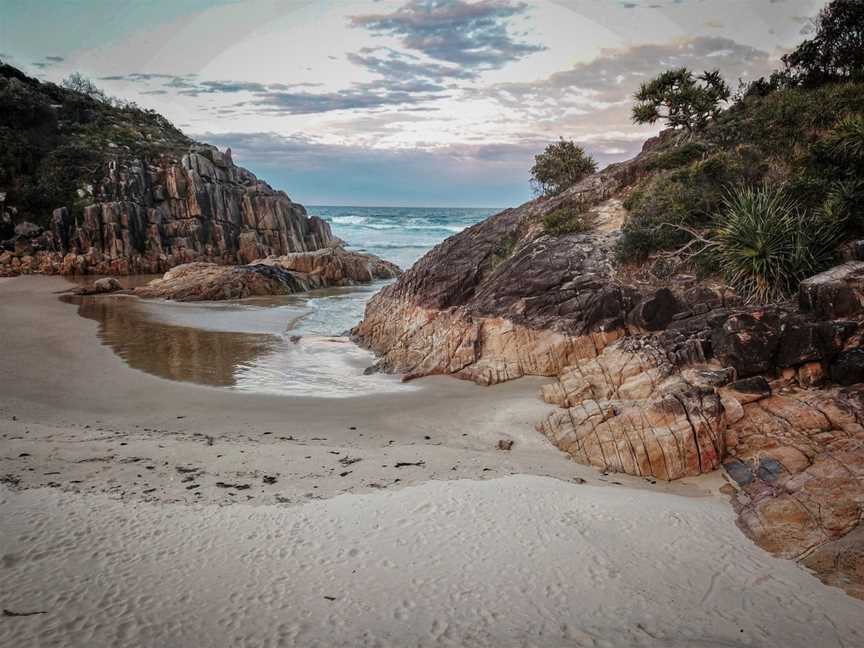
x: 398, y: 102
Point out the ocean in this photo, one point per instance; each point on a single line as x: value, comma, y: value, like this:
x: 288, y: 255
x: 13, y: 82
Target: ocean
x: 398, y: 234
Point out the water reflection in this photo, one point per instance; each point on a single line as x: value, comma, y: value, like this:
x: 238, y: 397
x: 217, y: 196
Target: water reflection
x: 282, y: 345
x: 175, y: 352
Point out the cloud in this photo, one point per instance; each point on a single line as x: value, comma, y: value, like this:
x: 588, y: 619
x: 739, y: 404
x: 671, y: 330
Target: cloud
x: 610, y: 79
x: 400, y: 66
x: 357, y: 96
x: 455, y: 31
x: 408, y: 86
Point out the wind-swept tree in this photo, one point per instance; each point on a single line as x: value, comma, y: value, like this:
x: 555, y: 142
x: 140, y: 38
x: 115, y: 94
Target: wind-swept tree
x: 681, y: 99
x: 559, y: 167
x: 79, y: 83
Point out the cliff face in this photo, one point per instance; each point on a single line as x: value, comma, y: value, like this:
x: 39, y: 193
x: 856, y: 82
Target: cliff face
x: 147, y: 218
x: 92, y: 187
x: 660, y: 380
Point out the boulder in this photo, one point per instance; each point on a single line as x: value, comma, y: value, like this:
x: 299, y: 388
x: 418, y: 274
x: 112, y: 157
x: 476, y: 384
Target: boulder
x: 848, y: 367
x: 272, y: 276
x: 27, y: 230
x: 835, y: 293
x: 101, y: 286
x: 748, y: 342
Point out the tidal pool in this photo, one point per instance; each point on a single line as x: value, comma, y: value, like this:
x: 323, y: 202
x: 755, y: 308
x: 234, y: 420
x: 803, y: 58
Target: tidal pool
x: 289, y: 345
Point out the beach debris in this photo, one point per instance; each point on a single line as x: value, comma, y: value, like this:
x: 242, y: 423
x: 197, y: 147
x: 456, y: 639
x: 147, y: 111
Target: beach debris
x: 12, y: 480
x: 345, y: 474
x: 10, y: 613
x: 186, y: 469
x: 330, y: 598
x: 578, y: 480
x: 222, y: 484
x: 347, y: 461
x: 505, y: 444
x: 269, y: 479
x: 403, y: 464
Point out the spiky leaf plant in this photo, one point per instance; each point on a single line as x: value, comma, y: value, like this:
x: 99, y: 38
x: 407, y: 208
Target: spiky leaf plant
x: 766, y: 245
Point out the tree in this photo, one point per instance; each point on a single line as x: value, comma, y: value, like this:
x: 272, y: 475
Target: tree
x: 559, y: 167
x: 680, y: 98
x: 81, y: 84
x: 836, y: 52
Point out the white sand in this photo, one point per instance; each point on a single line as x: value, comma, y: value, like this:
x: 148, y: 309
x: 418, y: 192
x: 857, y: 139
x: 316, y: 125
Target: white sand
x: 104, y: 535
x: 517, y: 561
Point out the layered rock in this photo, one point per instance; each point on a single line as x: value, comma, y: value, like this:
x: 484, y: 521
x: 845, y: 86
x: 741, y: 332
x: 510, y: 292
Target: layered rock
x: 149, y: 216
x: 283, y: 275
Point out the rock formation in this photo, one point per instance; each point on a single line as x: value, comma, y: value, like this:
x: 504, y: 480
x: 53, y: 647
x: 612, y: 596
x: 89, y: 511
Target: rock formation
x: 661, y: 380
x: 282, y: 275
x: 147, y: 218
x: 91, y: 185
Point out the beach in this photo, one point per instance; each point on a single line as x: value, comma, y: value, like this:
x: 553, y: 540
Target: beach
x: 144, y: 511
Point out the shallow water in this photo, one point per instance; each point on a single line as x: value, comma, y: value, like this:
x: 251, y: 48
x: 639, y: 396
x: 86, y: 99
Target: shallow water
x: 265, y: 346
x: 290, y: 344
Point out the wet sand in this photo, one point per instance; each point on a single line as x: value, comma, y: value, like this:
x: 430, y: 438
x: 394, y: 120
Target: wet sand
x: 373, y: 520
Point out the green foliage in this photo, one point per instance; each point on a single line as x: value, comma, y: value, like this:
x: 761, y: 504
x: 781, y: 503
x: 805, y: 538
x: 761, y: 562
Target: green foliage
x: 559, y: 167
x: 809, y: 140
x: 681, y: 99
x: 54, y: 140
x: 687, y: 196
x: 836, y: 51
x: 677, y: 156
x: 65, y: 170
x: 845, y: 142
x: 765, y: 245
x: 567, y: 220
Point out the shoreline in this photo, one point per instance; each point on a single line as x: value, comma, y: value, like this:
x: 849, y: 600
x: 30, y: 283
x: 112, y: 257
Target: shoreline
x: 143, y: 511
x: 78, y: 418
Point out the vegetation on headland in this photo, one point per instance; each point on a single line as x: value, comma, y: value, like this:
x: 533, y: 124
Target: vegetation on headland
x: 766, y: 189
x: 56, y: 141
x: 559, y: 167
x: 762, y: 187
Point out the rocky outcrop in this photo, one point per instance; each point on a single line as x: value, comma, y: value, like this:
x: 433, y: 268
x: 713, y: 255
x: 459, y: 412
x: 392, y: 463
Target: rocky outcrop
x: 656, y: 380
x: 500, y: 300
x: 296, y: 272
x: 149, y: 217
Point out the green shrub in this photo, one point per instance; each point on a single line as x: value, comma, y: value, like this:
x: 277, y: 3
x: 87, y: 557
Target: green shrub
x: 765, y: 245
x: 559, y: 167
x: 567, y: 220
x: 677, y: 156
